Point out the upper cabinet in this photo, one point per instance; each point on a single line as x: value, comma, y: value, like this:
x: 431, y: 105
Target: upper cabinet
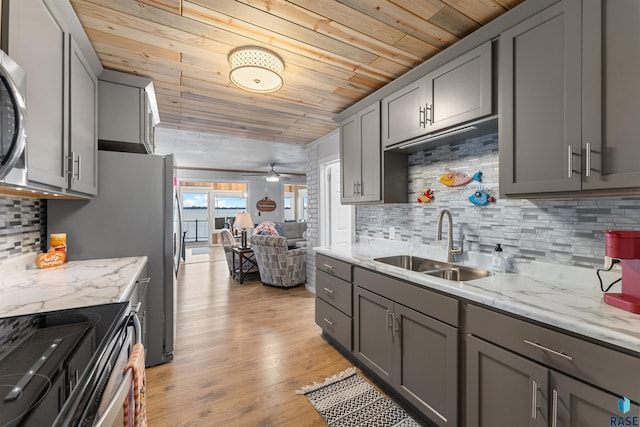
x: 568, y: 90
x: 368, y: 174
x: 46, y: 39
x: 457, y: 92
x: 360, y: 151
x: 128, y: 112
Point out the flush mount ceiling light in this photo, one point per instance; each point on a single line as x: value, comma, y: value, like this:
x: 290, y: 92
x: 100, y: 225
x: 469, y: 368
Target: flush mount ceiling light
x: 255, y: 69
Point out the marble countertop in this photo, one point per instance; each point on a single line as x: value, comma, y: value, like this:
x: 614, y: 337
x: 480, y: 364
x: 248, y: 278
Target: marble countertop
x: 562, y: 296
x: 27, y: 290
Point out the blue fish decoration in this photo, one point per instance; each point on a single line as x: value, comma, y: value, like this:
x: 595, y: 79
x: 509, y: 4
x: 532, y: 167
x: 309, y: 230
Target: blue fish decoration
x: 481, y: 198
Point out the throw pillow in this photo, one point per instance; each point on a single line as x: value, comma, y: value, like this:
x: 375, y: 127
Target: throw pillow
x: 267, y: 227
x: 279, y: 229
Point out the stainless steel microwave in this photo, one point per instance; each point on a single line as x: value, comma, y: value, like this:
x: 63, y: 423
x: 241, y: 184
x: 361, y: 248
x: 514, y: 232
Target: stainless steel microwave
x: 13, y: 123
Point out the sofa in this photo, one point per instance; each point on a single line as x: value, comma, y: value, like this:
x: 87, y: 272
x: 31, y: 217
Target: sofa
x: 293, y: 231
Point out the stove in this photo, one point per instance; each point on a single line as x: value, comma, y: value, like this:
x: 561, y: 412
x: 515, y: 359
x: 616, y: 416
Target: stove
x: 51, y: 364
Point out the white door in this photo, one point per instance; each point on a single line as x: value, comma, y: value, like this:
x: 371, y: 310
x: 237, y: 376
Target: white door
x: 340, y: 216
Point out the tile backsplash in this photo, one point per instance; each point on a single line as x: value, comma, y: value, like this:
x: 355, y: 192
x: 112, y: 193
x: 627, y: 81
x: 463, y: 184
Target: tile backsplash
x: 561, y: 231
x: 21, y: 225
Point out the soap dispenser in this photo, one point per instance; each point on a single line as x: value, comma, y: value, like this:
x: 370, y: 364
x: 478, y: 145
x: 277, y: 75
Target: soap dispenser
x: 497, y: 260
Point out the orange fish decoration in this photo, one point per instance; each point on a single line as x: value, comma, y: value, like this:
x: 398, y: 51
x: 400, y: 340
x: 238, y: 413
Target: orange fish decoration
x: 50, y: 259
x: 458, y: 179
x: 425, y: 196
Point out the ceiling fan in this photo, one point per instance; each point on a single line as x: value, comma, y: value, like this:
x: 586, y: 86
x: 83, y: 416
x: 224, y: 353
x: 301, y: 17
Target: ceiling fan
x: 272, y: 175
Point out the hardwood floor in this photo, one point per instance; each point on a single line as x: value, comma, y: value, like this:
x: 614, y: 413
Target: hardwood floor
x: 241, y: 352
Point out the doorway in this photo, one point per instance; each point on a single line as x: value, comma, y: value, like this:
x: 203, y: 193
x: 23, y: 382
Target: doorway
x: 337, y: 220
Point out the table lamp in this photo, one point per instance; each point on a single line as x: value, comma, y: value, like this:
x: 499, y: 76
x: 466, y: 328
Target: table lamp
x: 243, y: 221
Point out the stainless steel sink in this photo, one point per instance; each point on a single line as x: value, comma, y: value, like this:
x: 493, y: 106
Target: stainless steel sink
x: 444, y: 270
x: 459, y: 273
x: 413, y: 263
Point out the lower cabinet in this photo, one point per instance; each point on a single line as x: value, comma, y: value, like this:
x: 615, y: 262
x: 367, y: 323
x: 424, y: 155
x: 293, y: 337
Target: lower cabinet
x: 525, y: 374
x: 504, y: 388
x: 414, y: 353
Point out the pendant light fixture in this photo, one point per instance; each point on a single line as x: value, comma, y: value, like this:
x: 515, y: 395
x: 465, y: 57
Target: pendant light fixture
x: 255, y: 69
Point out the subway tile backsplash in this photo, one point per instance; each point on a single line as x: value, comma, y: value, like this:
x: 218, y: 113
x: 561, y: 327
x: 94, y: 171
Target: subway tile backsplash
x: 21, y: 225
x: 561, y: 231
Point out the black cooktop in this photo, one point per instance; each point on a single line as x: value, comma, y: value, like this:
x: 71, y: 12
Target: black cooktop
x: 45, y: 357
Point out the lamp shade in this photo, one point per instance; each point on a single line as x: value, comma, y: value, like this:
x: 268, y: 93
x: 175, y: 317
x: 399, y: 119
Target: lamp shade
x: 255, y: 69
x: 243, y: 220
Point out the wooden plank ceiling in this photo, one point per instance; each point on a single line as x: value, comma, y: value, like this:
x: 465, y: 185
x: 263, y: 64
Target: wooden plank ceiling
x: 335, y: 53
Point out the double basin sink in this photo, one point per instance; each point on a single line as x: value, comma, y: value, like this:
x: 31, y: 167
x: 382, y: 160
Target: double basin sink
x: 444, y: 270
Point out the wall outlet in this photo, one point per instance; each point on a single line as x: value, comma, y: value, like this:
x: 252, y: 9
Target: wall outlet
x: 392, y: 232
x: 607, y: 264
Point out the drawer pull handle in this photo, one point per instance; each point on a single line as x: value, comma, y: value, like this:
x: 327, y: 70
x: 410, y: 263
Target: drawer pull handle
x: 554, y: 409
x: 329, y: 267
x: 557, y: 353
x: 329, y: 291
x: 329, y: 322
x: 534, y: 401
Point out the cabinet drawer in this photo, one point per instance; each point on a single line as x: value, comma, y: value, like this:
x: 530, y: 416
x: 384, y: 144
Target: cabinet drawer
x: 334, y: 267
x: 334, y: 323
x: 416, y: 297
x: 596, y: 364
x: 334, y: 291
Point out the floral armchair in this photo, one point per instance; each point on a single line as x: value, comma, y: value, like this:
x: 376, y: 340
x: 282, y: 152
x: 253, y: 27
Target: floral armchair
x: 277, y: 265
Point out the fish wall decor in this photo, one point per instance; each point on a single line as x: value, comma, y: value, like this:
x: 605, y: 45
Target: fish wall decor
x: 481, y: 198
x: 425, y: 196
x: 458, y: 179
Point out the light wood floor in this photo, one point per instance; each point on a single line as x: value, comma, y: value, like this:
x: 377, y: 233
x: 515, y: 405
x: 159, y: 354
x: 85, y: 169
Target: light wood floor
x: 241, y: 352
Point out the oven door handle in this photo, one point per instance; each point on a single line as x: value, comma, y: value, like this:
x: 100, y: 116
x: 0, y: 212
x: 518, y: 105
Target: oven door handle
x: 137, y: 328
x: 113, y: 410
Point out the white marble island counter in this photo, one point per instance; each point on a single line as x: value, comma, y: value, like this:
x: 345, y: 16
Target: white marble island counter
x: 562, y: 296
x: 27, y: 290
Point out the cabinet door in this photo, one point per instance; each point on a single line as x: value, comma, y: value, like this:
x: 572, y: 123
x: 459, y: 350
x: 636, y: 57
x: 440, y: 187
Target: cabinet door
x: 369, y: 127
x: 460, y: 91
x: 540, y: 102
x: 426, y: 364
x: 577, y: 404
x: 611, y: 94
x: 349, y: 160
x: 45, y: 63
x: 83, y: 121
x: 403, y: 114
x: 373, y: 339
x: 504, y: 389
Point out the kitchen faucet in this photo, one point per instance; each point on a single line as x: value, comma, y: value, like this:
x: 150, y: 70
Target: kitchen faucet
x: 451, y: 251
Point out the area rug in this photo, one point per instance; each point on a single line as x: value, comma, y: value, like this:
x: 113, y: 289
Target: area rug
x: 347, y: 400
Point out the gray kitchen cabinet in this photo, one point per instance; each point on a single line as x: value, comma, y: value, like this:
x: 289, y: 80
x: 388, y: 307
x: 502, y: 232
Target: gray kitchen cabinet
x: 360, y: 157
x: 503, y: 388
x: 610, y: 94
x: 457, y: 92
x: 521, y: 373
x: 83, y: 123
x: 334, y: 300
x: 575, y: 403
x: 374, y: 332
x: 539, y: 109
x: 43, y: 38
x: 397, y: 337
x: 37, y: 41
x: 126, y: 109
x: 567, y: 95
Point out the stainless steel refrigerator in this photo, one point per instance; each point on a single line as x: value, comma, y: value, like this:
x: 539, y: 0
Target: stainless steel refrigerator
x: 136, y: 213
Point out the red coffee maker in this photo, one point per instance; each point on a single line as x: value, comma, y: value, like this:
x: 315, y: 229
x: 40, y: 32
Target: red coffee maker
x: 625, y: 245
